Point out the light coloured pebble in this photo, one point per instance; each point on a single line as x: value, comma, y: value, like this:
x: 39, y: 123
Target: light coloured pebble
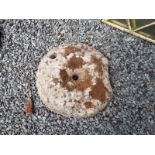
x: 72, y: 80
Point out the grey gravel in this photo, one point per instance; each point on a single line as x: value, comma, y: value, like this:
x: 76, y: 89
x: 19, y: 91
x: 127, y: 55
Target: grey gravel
x: 132, y: 75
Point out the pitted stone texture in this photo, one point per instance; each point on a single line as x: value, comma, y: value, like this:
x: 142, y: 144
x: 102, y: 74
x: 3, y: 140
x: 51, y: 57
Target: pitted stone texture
x: 73, y: 80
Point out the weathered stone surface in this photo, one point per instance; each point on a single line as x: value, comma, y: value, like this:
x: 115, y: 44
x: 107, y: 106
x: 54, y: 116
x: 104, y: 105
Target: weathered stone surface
x: 73, y: 80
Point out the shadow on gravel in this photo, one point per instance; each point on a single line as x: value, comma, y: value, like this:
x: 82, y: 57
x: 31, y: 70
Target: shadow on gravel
x: 1, y: 36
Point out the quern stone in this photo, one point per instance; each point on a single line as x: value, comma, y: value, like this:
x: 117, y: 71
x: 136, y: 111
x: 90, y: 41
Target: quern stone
x: 73, y: 80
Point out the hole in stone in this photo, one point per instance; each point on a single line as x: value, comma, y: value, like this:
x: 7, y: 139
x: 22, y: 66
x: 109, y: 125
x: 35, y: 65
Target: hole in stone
x: 75, y: 77
x: 53, y: 56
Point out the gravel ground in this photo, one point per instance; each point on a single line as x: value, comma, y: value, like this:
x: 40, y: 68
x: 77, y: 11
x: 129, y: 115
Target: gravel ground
x: 132, y: 75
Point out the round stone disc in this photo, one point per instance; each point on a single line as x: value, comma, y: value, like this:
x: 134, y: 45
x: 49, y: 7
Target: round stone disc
x: 73, y: 80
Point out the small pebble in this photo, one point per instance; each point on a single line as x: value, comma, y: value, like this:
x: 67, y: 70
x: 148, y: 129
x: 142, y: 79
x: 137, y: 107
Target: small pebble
x: 28, y: 107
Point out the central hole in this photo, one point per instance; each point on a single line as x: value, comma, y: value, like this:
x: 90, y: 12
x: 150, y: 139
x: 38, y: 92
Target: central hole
x: 75, y: 77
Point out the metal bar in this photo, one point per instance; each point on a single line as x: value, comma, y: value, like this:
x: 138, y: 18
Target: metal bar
x: 145, y: 26
x: 133, y: 23
x: 128, y: 22
x: 129, y: 31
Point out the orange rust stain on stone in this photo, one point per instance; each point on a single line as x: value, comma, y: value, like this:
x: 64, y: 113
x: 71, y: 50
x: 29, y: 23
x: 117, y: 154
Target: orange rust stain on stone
x: 65, y: 79
x: 71, y: 49
x: 83, y: 83
x: 75, y: 62
x: 99, y: 64
x: 64, y: 76
x: 88, y: 104
x: 99, y: 91
x: 80, y: 84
